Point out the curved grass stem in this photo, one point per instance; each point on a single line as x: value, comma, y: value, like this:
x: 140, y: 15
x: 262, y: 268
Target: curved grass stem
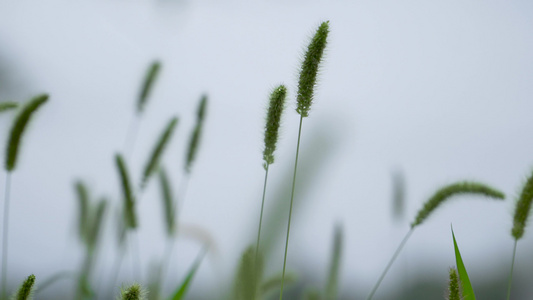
x: 389, y: 265
x: 512, y: 268
x: 290, y: 208
x: 260, y: 222
x: 5, y: 235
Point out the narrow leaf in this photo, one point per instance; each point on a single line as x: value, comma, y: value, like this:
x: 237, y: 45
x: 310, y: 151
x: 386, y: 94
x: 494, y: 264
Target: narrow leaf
x: 182, y: 289
x: 468, y: 291
x: 17, y: 130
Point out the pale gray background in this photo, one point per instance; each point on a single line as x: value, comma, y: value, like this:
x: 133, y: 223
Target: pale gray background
x: 441, y: 90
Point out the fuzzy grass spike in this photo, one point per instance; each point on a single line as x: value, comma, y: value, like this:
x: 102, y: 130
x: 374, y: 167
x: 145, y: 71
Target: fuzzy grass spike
x: 309, y: 69
x: 133, y: 292
x: 5, y: 106
x: 168, y: 202
x: 157, y: 152
x: 453, y: 286
x: 447, y: 192
x: 18, y: 129
x: 151, y: 76
x: 196, y: 134
x: 25, y: 291
x: 273, y: 121
x: 130, y: 218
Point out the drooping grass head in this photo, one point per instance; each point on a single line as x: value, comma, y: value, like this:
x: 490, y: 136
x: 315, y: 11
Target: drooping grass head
x: 309, y: 69
x: 275, y: 110
x: 522, y: 209
x: 17, y: 130
x: 451, y: 190
x: 151, y: 76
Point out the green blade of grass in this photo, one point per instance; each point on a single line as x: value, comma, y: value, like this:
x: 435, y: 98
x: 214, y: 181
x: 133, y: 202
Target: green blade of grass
x: 468, y: 291
x: 184, y: 286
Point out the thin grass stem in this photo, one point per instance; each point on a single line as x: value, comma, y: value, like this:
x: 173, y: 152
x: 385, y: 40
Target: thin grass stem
x: 512, y: 268
x: 290, y: 208
x: 5, y: 234
x: 389, y: 265
x: 261, y: 214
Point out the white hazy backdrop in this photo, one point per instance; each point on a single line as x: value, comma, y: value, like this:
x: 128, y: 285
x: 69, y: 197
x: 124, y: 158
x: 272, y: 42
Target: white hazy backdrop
x: 439, y: 90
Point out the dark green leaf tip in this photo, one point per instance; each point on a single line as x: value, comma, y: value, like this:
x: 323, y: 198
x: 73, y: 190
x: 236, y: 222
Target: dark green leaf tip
x: 157, y: 152
x: 453, y: 286
x: 17, y: 130
x: 273, y: 121
x: 25, y: 290
x: 309, y: 69
x: 5, y: 106
x: 130, y: 218
x: 446, y: 192
x: 196, y: 134
x: 522, y: 209
x: 151, y: 76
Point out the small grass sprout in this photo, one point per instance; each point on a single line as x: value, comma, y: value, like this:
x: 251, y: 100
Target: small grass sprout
x: 196, y: 134
x: 149, y: 80
x: 309, y: 69
x: 8, y: 105
x: 453, y: 286
x: 157, y: 152
x: 25, y: 290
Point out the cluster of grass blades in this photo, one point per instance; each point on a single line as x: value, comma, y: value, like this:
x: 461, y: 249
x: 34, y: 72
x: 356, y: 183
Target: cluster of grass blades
x: 251, y: 282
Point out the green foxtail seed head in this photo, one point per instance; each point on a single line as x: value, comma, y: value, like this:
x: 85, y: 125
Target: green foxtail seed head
x: 5, y: 106
x: 522, y: 209
x: 453, y: 286
x: 195, y: 136
x: 309, y: 69
x: 151, y: 76
x: 273, y: 120
x: 83, y: 216
x: 451, y: 190
x: 249, y: 276
x: 25, y: 290
x: 157, y: 152
x: 130, y: 218
x: 18, y: 129
x: 134, y: 292
x: 168, y: 202
x: 96, y: 224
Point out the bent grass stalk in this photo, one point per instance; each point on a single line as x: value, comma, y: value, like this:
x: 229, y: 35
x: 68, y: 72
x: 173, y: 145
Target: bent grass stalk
x: 521, y: 214
x: 429, y: 207
x: 12, y: 151
x: 306, y: 85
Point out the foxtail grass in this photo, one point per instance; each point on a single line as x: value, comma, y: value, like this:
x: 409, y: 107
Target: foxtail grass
x: 273, y: 121
x: 157, y: 152
x: 521, y: 214
x: 441, y: 196
x: 306, y: 85
x: 196, y: 134
x: 334, y: 269
x: 133, y: 292
x: 453, y: 286
x: 13, y: 146
x: 25, y: 290
x: 249, y: 275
